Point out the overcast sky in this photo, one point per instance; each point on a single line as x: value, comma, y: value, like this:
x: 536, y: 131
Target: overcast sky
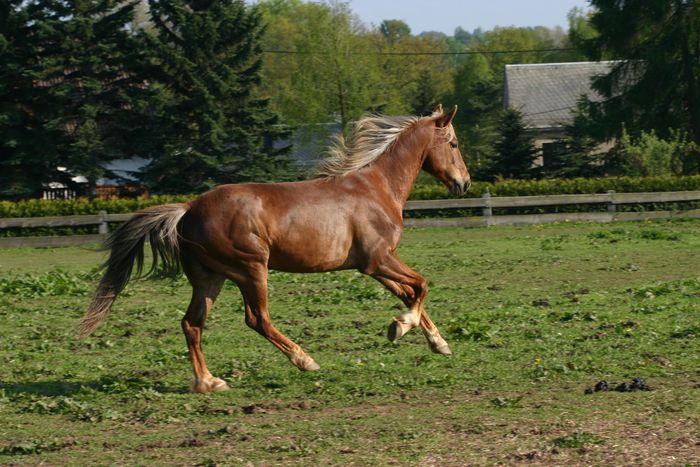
x: 446, y: 15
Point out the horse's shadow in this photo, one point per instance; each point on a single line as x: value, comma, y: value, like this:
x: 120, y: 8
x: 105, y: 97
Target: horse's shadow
x: 108, y: 384
x: 44, y: 388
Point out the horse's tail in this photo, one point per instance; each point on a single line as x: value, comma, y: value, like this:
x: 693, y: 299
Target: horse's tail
x: 158, y: 224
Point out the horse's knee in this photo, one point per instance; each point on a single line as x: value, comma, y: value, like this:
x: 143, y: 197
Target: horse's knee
x: 251, y: 321
x: 420, y: 289
x: 188, y: 327
x: 256, y: 323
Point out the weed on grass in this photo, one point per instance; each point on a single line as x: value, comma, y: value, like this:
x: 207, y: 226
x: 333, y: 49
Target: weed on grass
x: 55, y: 282
x: 576, y: 440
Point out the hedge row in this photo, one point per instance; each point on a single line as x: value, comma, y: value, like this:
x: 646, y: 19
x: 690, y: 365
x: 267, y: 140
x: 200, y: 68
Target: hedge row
x: 70, y: 207
x: 565, y: 186
x: 423, y: 190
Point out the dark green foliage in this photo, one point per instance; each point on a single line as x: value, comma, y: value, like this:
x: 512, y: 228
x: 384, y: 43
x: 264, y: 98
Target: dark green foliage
x: 515, y: 154
x: 73, y: 98
x: 656, y: 85
x: 99, y: 96
x: 575, y: 155
x: 80, y: 87
x: 426, y: 97
x: 478, y: 96
x: 212, y: 127
x: 27, y: 144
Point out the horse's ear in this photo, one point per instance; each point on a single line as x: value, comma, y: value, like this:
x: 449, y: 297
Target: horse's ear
x: 446, y: 120
x: 438, y: 111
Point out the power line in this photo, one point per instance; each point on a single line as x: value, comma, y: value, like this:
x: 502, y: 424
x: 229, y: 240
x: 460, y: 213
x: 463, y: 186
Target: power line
x: 550, y: 111
x: 467, y: 52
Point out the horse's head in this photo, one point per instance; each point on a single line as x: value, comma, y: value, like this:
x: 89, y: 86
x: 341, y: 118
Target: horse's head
x: 444, y: 160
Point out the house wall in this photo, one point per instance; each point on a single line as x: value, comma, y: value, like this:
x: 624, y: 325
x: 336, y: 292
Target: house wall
x: 540, y: 137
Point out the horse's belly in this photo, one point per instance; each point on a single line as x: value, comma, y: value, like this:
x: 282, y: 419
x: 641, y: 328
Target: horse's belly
x: 312, y: 248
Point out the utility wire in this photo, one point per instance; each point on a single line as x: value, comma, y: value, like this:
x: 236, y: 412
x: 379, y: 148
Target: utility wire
x: 549, y: 111
x: 467, y: 52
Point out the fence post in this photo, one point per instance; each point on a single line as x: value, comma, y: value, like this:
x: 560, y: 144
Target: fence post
x: 103, y: 228
x: 611, y: 203
x: 487, y: 211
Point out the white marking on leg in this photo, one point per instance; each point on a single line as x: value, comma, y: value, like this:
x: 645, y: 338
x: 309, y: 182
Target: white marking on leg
x: 303, y: 361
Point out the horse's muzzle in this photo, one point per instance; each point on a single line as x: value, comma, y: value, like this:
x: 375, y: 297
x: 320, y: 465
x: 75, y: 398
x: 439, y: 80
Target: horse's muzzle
x: 459, y: 189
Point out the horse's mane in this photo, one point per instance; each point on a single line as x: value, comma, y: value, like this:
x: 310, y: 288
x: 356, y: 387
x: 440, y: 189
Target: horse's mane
x: 371, y: 137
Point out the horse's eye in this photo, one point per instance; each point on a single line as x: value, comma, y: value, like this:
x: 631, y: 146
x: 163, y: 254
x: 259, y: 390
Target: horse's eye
x: 453, y: 144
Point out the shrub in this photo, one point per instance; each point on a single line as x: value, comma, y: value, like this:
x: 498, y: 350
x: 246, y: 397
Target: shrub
x: 429, y: 190
x: 426, y: 188
x: 70, y: 207
x: 650, y: 155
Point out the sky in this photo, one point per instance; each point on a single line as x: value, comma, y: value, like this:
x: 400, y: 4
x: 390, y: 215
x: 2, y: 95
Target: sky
x: 446, y: 15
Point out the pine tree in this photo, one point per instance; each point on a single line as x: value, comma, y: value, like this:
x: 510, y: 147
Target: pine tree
x: 103, y: 98
x: 575, y: 155
x: 28, y: 155
x: 478, y: 96
x: 75, y: 93
x: 213, y: 127
x: 514, y: 152
x: 655, y: 85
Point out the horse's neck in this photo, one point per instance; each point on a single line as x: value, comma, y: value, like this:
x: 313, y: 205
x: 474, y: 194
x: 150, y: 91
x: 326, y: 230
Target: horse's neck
x: 399, y: 167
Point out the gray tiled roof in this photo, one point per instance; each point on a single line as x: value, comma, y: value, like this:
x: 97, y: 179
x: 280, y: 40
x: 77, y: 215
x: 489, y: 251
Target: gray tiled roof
x: 546, y: 93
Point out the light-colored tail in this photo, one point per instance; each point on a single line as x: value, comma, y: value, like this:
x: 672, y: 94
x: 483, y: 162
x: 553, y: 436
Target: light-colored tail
x: 158, y: 225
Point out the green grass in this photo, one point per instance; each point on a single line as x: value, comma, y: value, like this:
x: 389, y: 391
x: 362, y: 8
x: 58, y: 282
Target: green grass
x: 534, y: 315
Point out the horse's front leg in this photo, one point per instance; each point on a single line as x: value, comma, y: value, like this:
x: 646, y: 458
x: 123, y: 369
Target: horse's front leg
x: 254, y: 290
x: 412, y: 289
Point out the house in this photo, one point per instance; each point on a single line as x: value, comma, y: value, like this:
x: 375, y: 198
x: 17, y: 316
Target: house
x: 125, y: 169
x: 547, y: 94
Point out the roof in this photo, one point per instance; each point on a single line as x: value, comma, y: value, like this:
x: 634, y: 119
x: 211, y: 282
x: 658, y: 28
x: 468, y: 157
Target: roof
x: 546, y: 93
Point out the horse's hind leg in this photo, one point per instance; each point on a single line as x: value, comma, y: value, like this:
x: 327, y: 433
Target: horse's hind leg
x: 205, y: 288
x: 254, y: 290
x: 411, y: 288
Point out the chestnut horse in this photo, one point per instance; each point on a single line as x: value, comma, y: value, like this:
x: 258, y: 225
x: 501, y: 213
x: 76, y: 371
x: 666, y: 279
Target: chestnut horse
x: 350, y: 217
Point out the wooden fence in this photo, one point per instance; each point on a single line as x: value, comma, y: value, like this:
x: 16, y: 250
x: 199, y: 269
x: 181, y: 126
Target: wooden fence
x: 486, y: 204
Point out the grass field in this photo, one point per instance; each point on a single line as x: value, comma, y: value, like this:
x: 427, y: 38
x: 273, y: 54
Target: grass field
x: 534, y: 316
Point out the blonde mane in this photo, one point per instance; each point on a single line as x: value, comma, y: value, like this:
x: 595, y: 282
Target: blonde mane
x: 372, y: 136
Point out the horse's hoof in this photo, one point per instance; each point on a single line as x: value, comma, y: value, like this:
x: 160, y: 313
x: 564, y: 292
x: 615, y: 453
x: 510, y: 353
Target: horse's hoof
x: 305, y: 363
x: 397, y: 329
x: 210, y: 385
x: 443, y: 349
x: 218, y: 385
x: 311, y: 366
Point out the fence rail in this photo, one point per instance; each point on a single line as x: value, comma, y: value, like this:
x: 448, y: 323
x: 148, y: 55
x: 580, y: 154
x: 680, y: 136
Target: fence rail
x: 486, y: 203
